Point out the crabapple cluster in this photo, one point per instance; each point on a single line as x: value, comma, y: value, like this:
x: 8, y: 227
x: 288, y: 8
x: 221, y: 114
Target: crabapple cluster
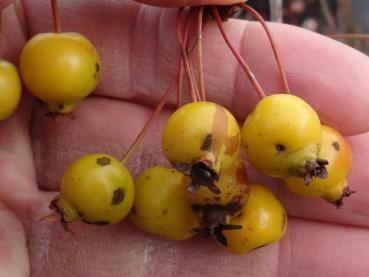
x: 207, y: 190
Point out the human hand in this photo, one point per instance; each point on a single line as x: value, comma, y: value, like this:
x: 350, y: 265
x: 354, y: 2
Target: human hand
x: 139, y: 55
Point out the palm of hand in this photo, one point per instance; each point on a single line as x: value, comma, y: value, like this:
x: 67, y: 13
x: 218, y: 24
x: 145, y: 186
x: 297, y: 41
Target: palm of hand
x: 138, y: 65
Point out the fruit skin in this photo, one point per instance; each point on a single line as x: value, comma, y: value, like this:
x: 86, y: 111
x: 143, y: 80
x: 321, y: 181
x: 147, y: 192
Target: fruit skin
x: 281, y: 135
x: 96, y: 189
x: 10, y: 89
x: 336, y: 150
x: 161, y: 205
x: 263, y: 220
x: 201, y: 136
x: 60, y: 69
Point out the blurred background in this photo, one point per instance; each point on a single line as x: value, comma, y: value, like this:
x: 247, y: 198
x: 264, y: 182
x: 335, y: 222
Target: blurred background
x: 324, y: 16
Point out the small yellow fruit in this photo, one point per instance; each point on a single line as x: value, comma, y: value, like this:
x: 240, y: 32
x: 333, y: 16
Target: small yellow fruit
x: 161, y: 205
x: 263, y: 220
x: 96, y: 189
x: 199, y: 139
x: 336, y: 150
x: 10, y: 89
x: 281, y: 138
x: 60, y: 69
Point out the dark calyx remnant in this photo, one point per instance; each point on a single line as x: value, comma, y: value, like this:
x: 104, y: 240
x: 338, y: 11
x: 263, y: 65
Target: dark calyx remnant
x: 345, y: 193
x: 315, y: 169
x: 54, y: 206
x: 214, y: 219
x: 201, y: 175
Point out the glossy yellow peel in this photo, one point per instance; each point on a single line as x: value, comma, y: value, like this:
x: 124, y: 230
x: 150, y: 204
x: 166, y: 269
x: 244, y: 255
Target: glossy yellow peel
x: 97, y: 189
x: 281, y: 135
x: 60, y: 69
x: 161, y: 205
x: 10, y: 89
x: 263, y: 220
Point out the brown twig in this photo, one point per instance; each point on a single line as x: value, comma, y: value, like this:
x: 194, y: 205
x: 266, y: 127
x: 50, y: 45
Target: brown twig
x: 54, y: 8
x: 272, y: 43
x: 149, y: 122
x: 241, y: 61
x: 183, y: 51
x: 199, y: 48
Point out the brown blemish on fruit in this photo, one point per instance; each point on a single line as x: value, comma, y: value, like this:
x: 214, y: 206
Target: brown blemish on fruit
x: 217, y: 198
x: 220, y: 130
x: 164, y: 212
x: 233, y: 207
x: 241, y: 175
x: 336, y: 145
x: 118, y: 196
x: 103, y: 161
x: 97, y: 67
x: 206, y: 144
x: 280, y: 148
x: 60, y: 106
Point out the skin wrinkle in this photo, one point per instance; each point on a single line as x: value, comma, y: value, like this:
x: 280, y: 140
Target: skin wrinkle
x: 122, y: 244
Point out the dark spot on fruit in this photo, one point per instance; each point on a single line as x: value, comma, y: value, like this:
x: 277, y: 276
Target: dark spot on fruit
x: 60, y: 106
x: 241, y: 174
x: 280, y: 148
x: 97, y: 67
x: 232, y: 207
x: 206, y: 145
x: 336, y: 145
x: 133, y: 210
x: 103, y: 161
x: 100, y: 223
x: 80, y: 214
x: 246, y: 146
x: 164, y: 212
x: 118, y: 196
x: 217, y: 198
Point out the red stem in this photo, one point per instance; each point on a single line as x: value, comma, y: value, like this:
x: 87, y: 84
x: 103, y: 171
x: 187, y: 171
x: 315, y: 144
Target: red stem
x: 54, y: 8
x: 348, y: 36
x: 149, y: 123
x: 254, y: 13
x: 241, y: 61
x: 199, y: 48
x: 182, y: 48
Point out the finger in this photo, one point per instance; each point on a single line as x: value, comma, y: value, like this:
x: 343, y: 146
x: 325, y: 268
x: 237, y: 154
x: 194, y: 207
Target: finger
x: 122, y: 249
x: 14, y: 259
x: 58, y: 143
x: 185, y: 3
x: 17, y: 182
x: 140, y: 55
